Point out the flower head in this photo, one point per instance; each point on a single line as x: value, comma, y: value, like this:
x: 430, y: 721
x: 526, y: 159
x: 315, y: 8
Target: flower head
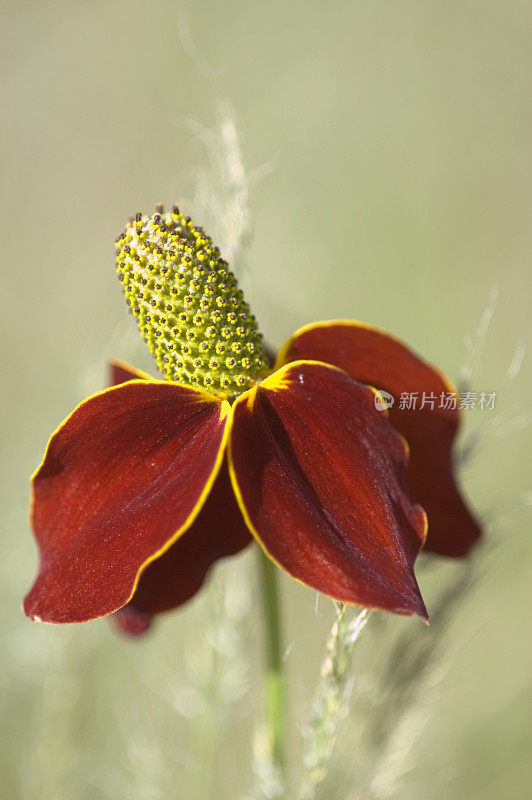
x: 146, y: 484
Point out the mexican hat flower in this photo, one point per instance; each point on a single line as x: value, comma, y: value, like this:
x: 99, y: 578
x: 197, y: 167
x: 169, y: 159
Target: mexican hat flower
x: 145, y: 485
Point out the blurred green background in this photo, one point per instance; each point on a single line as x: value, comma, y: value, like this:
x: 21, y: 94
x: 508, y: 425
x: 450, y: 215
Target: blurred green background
x: 389, y: 150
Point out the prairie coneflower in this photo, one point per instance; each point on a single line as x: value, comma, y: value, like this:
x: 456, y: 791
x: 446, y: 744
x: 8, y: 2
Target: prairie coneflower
x: 147, y: 483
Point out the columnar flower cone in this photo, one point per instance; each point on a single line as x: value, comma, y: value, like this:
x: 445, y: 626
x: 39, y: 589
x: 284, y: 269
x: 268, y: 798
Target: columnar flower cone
x: 188, y: 306
x: 148, y: 483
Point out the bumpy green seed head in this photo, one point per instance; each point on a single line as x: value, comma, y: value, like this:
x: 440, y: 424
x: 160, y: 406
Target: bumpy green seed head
x: 188, y: 306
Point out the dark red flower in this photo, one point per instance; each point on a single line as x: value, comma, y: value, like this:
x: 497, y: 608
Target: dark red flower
x: 148, y: 483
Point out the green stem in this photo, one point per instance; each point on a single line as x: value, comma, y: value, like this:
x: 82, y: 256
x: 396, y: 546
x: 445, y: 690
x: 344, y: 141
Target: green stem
x: 274, y: 685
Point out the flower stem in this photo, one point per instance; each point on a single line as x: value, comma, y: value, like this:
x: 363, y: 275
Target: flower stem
x: 274, y: 696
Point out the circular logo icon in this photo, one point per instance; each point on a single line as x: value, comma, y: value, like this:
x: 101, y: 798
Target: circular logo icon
x: 384, y: 400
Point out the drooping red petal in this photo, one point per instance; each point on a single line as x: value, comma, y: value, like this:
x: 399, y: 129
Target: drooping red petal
x: 319, y: 474
x: 219, y: 530
x: 374, y: 357
x: 122, y: 372
x: 122, y: 478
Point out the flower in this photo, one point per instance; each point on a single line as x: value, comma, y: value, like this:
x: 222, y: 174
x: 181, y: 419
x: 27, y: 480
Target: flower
x: 149, y: 482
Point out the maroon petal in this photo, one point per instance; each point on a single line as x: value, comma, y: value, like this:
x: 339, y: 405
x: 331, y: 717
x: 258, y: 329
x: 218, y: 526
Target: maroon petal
x: 319, y: 474
x: 374, y: 357
x: 219, y: 530
x: 122, y: 478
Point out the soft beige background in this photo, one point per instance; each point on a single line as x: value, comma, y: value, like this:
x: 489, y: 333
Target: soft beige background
x: 392, y: 144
